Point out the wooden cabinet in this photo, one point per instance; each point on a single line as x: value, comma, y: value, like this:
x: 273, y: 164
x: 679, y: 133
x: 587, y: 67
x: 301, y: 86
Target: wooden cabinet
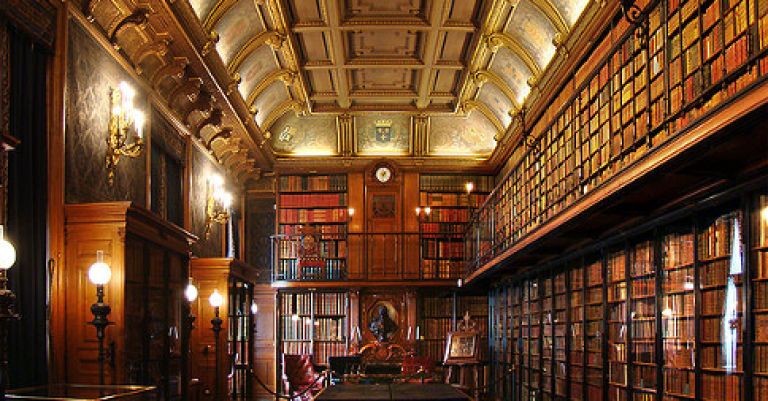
x: 149, y: 258
x: 235, y: 281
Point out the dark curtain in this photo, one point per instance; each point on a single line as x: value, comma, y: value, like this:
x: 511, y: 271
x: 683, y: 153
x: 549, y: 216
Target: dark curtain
x: 27, y: 210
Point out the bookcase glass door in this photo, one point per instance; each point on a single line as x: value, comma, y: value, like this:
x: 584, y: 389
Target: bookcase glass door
x: 547, y: 338
x: 595, y: 329
x: 239, y: 338
x: 560, y: 321
x: 576, y: 331
x: 643, y: 320
x: 617, y: 326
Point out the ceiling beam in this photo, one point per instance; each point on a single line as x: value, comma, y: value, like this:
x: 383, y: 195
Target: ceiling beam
x: 381, y: 26
x: 470, y: 104
x: 287, y: 76
x: 553, y: 15
x: 495, y: 40
x: 482, y: 76
x: 430, y: 52
x: 338, y: 53
x: 274, y: 39
x: 217, y: 13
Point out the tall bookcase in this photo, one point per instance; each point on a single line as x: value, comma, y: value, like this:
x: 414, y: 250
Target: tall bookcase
x: 440, y: 314
x: 317, y: 203
x: 442, y: 229
x: 665, y: 313
x: 313, y: 322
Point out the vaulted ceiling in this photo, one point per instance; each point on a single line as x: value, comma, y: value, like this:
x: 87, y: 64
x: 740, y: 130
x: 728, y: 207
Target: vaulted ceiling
x: 433, y: 82
x: 424, y: 78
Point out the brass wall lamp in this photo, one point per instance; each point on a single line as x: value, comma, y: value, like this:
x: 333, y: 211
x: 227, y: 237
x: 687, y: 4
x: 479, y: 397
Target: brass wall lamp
x: 124, y: 120
x: 217, y: 203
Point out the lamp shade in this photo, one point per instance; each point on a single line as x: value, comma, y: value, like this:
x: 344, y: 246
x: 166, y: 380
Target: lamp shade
x: 190, y: 292
x: 7, y: 252
x: 99, y: 273
x: 216, y: 299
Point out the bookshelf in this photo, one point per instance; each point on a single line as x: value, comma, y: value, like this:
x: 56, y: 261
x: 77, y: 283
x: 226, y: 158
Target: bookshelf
x: 576, y: 322
x: 313, y: 322
x: 662, y: 314
x: 759, y: 258
x: 617, y: 326
x: 698, y: 56
x: 318, y: 203
x: 442, y: 229
x: 439, y: 315
x: 720, y: 346
x: 595, y: 327
x: 678, y: 330
x: 560, y: 326
x: 240, y: 337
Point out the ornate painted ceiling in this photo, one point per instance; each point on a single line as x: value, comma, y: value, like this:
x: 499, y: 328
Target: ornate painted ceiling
x: 435, y: 83
x: 386, y: 78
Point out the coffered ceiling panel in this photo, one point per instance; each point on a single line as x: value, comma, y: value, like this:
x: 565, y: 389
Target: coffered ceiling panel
x: 313, y: 71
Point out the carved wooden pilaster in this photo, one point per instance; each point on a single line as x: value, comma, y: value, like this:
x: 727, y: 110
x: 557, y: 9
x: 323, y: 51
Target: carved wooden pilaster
x: 420, y: 135
x: 346, y: 135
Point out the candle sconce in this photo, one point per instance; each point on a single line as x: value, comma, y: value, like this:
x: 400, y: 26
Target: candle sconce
x: 217, y: 203
x: 124, y: 120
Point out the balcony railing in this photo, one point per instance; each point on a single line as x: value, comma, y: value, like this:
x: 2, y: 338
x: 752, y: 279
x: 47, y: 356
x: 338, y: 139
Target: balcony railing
x: 368, y: 257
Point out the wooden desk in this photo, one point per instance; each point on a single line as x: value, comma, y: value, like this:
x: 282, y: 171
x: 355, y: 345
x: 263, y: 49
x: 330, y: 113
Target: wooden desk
x: 391, y: 392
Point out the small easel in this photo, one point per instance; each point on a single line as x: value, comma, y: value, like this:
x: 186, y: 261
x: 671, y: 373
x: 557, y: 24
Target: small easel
x: 461, y: 352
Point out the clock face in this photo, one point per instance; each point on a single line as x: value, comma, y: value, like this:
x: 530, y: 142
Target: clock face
x: 383, y: 174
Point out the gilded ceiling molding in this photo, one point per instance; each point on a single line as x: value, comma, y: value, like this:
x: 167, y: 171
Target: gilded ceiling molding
x: 214, y: 120
x: 137, y: 18
x: 281, y: 109
x: 498, y: 39
x: 217, y: 13
x: 187, y: 92
x: 272, y: 38
x: 203, y: 105
x: 158, y: 48
x: 553, y: 14
x: 480, y: 77
x: 470, y: 104
x: 287, y: 76
x: 225, y: 133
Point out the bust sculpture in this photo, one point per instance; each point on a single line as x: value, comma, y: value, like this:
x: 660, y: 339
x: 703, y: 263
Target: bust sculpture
x: 382, y: 325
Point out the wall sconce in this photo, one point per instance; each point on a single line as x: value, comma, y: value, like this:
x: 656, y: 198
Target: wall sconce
x: 217, y: 204
x: 124, y: 119
x: 423, y: 212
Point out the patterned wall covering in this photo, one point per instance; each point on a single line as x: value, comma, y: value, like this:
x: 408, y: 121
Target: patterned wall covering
x: 90, y: 73
x: 202, y: 168
x: 472, y: 135
x: 383, y: 134
x: 259, y: 226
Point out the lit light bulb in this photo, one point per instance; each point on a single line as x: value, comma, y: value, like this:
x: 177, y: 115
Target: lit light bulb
x: 427, y: 210
x: 351, y: 211
x: 469, y: 186
x: 190, y: 292
x: 138, y: 122
x: 216, y: 299
x: 7, y: 251
x: 667, y: 313
x: 418, y: 210
x: 216, y: 180
x: 764, y: 214
x: 226, y: 200
x: 127, y: 91
x: 459, y: 282
x: 254, y: 308
x: 295, y: 317
x: 99, y: 273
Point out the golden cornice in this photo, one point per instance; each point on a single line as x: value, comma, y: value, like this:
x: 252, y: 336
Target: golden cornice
x: 287, y: 76
x: 553, y: 14
x: 273, y: 38
x: 281, y: 109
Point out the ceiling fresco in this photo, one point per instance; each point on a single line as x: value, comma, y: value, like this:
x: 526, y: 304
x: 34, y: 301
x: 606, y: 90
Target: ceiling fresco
x: 467, y: 66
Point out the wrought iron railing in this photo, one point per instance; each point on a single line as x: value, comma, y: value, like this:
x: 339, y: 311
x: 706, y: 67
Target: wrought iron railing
x: 368, y: 257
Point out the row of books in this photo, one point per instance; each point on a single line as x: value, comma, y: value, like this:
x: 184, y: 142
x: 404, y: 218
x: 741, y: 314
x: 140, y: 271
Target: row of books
x: 433, y: 249
x: 312, y: 200
x: 436, y: 199
x: 292, y: 216
x: 449, y: 215
x: 452, y: 229
x: 327, y: 248
x: 441, y: 269
x: 292, y: 269
x: 455, y: 183
x: 319, y: 183
x: 325, y: 231
x: 323, y: 350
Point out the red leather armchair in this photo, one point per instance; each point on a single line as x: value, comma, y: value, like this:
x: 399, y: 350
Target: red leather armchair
x: 300, y: 379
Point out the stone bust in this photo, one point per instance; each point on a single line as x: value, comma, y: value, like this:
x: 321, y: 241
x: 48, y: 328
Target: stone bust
x: 382, y: 325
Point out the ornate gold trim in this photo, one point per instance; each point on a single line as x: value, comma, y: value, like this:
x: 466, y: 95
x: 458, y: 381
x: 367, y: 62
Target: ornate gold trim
x: 471, y: 104
x: 498, y: 39
x: 487, y: 75
x: 272, y: 38
x: 287, y: 76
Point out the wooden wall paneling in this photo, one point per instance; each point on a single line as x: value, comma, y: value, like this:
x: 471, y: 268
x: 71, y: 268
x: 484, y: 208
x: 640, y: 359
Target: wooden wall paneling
x: 210, y: 274
x: 265, y: 340
x: 149, y: 261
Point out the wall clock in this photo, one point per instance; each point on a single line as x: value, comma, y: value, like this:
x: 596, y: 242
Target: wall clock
x: 383, y: 174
